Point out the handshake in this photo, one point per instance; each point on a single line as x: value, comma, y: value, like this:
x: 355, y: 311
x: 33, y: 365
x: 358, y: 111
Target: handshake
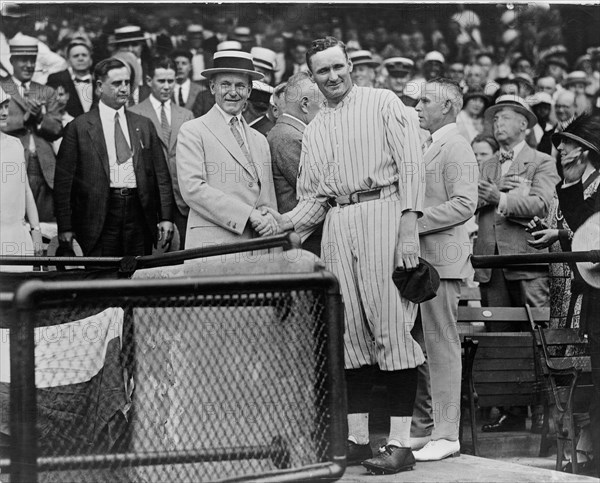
x: 267, y: 221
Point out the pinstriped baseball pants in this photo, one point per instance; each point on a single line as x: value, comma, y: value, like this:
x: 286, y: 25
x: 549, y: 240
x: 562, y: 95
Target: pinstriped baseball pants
x: 358, y: 246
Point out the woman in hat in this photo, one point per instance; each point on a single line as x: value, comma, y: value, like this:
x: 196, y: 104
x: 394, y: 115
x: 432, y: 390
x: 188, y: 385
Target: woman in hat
x: 16, y: 199
x: 579, y: 146
x: 470, y: 120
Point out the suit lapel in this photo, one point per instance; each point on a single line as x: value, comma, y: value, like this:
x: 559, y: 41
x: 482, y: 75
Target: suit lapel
x: 12, y: 89
x: 97, y: 139
x: 176, y: 122
x: 149, y: 112
x: 134, y: 138
x: 216, y: 124
x: 519, y: 164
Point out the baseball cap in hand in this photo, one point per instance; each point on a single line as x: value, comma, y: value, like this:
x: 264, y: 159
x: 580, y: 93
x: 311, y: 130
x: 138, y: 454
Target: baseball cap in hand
x: 418, y: 285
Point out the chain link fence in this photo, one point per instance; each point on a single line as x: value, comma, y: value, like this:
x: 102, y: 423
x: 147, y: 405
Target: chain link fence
x: 212, y: 378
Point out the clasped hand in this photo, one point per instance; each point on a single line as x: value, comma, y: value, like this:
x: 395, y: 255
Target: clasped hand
x: 544, y: 237
x: 267, y: 221
x: 489, y: 192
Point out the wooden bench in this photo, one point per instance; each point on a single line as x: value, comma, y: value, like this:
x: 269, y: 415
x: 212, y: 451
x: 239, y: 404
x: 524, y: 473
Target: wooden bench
x: 566, y: 368
x: 504, y: 371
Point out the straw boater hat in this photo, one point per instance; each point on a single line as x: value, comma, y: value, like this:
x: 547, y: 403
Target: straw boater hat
x: 539, y: 98
x: 12, y: 10
x: 242, y: 34
x: 261, y: 92
x: 195, y: 29
x: 584, y: 131
x: 23, y: 46
x: 128, y: 34
x: 576, y: 77
x: 434, y: 56
x: 264, y: 58
x: 229, y: 45
x: 398, y: 66
x: 515, y: 103
x: 231, y: 61
x: 586, y: 238
x: 363, y: 57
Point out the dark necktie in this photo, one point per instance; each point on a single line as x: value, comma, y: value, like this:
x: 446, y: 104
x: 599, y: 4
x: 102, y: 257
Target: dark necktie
x: 77, y: 80
x: 180, y: 100
x: 240, y: 140
x: 164, y: 123
x: 506, y: 156
x: 122, y: 147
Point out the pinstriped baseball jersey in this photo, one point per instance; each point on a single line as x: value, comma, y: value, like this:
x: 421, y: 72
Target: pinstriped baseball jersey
x: 369, y: 140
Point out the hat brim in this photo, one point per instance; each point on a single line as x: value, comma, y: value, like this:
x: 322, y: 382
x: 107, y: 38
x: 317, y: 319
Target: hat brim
x: 576, y: 81
x: 531, y: 117
x: 254, y: 75
x: 585, y: 239
x: 127, y: 41
x: 557, y: 137
x: 368, y: 63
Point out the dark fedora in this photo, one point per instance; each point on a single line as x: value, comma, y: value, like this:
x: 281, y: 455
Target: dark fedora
x: 232, y: 61
x: 418, y: 285
x: 583, y: 130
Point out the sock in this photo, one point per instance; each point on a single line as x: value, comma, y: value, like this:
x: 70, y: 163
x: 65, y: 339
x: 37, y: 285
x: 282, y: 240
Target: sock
x: 400, y: 431
x: 358, y: 427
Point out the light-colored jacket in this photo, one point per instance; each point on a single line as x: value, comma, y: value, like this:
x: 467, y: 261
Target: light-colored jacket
x: 217, y: 181
x: 452, y: 176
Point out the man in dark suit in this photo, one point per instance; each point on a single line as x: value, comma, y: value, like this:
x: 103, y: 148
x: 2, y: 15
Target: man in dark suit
x: 167, y: 118
x: 303, y: 100
x: 186, y: 92
x: 77, y: 79
x: 35, y: 119
x: 112, y: 185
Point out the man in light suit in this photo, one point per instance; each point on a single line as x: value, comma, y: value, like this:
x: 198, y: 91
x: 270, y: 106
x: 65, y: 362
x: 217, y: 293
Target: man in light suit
x: 514, y: 186
x: 186, y: 92
x: 35, y: 119
x: 303, y: 102
x: 167, y: 118
x: 112, y: 188
x: 450, y: 200
x: 224, y: 166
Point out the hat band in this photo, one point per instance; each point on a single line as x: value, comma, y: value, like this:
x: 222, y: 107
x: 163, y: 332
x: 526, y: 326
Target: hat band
x: 17, y: 50
x: 580, y: 140
x: 233, y: 63
x: 362, y: 58
x: 264, y: 64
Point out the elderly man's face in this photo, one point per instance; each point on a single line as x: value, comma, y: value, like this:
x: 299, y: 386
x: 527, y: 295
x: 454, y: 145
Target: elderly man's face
x: 231, y: 92
x: 565, y: 107
x: 430, y: 107
x: 23, y: 66
x: 546, y: 84
x: 114, y: 89
x: 363, y: 75
x: 509, y: 126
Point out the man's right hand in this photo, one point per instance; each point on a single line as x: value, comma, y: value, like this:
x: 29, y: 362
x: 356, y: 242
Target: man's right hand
x: 65, y: 239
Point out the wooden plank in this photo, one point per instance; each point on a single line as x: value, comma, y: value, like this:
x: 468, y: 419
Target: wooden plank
x: 502, y: 364
x: 506, y: 400
x: 504, y: 376
x: 504, y: 353
x: 508, y: 343
x: 564, y: 337
x: 470, y: 293
x: 502, y: 314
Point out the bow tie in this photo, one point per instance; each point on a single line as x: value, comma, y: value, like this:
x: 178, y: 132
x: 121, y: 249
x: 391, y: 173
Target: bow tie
x: 77, y: 80
x: 506, y: 156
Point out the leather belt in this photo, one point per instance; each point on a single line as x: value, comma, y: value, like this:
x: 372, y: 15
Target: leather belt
x: 123, y: 191
x: 353, y: 198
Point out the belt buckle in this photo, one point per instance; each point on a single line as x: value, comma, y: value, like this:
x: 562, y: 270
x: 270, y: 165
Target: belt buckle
x: 354, y: 198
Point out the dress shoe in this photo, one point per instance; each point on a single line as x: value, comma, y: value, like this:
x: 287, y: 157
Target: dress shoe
x: 438, y: 450
x: 390, y: 459
x: 505, y: 422
x: 357, y: 453
x: 419, y: 441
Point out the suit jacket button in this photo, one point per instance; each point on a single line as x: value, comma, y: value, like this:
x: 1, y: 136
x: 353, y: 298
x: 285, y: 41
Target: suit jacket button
x: 251, y: 184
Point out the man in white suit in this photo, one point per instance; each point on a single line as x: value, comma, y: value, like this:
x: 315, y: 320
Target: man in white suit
x: 167, y: 118
x: 224, y: 166
x: 450, y: 200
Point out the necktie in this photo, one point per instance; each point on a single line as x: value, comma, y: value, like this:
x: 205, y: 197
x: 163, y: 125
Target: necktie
x: 238, y: 137
x: 426, y: 144
x: 506, y: 156
x: 121, y: 146
x: 180, y: 97
x: 77, y: 80
x: 164, y: 123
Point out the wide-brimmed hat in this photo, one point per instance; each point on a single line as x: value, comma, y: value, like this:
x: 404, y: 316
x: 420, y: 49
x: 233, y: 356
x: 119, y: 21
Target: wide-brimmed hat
x: 23, y: 46
x: 586, y: 238
x: 261, y: 92
x: 576, y: 77
x: 515, y: 103
x: 418, y: 285
x: 398, y: 66
x: 4, y: 96
x: 524, y: 78
x: 128, y: 34
x: 557, y: 60
x: 233, y: 62
x: 583, y: 130
x: 539, y: 98
x: 264, y: 58
x: 476, y: 93
x: 363, y: 57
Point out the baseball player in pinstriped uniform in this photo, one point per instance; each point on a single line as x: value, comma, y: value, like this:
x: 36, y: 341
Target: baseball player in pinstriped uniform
x: 360, y: 171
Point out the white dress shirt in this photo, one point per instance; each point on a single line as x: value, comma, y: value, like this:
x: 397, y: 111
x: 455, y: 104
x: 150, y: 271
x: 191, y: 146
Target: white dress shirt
x: 228, y: 118
x: 84, y: 90
x: 121, y: 175
x: 157, y: 106
x: 185, y: 91
x: 504, y: 167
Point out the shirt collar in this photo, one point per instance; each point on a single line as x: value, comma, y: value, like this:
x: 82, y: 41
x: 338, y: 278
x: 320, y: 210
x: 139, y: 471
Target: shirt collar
x: 186, y: 83
x: 295, y: 118
x: 156, y: 103
x: 21, y: 84
x: 228, y: 117
x: 82, y: 77
x: 344, y: 101
x: 441, y: 132
x: 109, y: 112
x: 517, y: 149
